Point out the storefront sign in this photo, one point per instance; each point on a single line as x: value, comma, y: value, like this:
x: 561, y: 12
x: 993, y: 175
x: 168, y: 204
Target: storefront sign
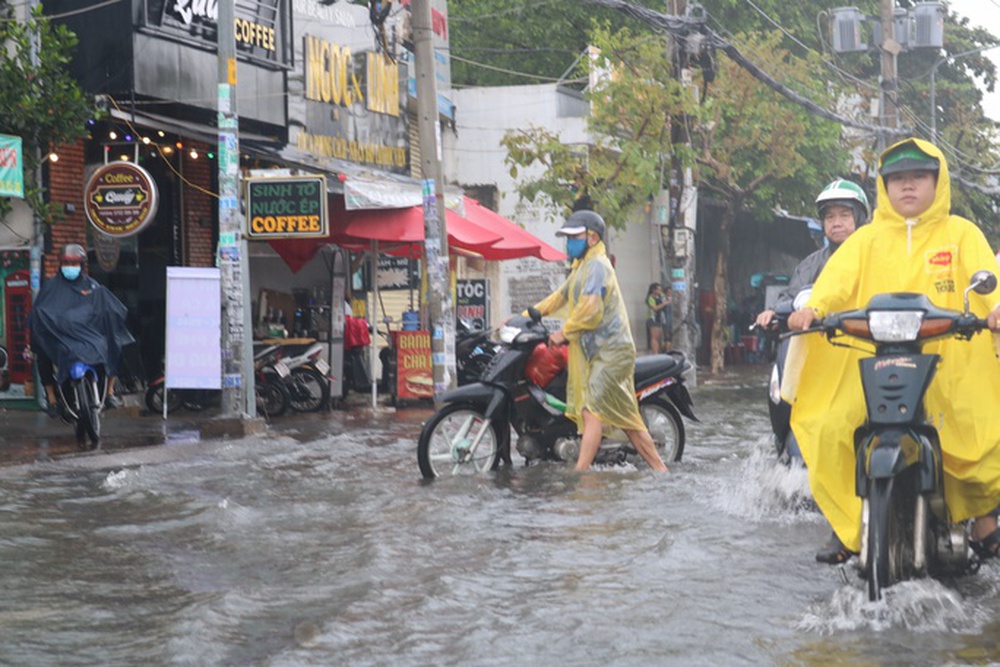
x: 473, y: 302
x: 286, y: 208
x: 11, y: 167
x: 120, y: 199
x: 415, y: 377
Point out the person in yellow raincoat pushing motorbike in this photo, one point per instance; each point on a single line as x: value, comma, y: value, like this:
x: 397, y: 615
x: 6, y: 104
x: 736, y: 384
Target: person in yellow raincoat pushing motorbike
x: 913, y: 244
x: 600, y: 388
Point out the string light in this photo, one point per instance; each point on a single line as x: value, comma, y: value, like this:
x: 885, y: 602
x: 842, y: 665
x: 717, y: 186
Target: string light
x: 112, y: 135
x: 167, y: 150
x: 53, y: 157
x: 193, y: 154
x: 145, y: 140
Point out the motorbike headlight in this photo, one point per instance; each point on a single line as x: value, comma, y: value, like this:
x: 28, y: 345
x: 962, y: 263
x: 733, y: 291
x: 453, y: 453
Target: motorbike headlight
x: 507, y: 334
x: 891, y: 326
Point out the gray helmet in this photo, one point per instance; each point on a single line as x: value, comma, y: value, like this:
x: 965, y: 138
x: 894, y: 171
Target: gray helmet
x: 581, y: 221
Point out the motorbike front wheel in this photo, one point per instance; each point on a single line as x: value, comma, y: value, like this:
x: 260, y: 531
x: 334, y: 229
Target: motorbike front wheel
x: 446, y: 443
x: 664, y: 424
x: 890, y: 534
x: 88, y: 420
x: 308, y: 388
x: 271, y: 394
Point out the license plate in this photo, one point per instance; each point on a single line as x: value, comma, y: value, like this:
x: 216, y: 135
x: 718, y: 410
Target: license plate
x: 322, y: 366
x: 282, y: 368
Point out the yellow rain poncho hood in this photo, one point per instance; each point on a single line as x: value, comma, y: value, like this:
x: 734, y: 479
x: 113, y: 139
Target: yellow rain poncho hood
x: 601, y: 351
x: 934, y: 254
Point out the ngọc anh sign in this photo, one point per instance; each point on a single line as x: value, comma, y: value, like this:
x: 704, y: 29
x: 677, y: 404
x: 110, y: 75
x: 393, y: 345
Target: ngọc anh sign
x: 287, y: 207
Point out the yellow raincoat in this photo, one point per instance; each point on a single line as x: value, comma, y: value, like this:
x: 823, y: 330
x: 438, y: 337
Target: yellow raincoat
x: 936, y: 255
x: 601, y: 362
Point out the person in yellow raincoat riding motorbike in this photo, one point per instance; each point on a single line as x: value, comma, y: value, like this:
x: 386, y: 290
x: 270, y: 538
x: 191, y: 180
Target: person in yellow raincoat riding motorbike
x: 913, y: 244
x: 600, y: 388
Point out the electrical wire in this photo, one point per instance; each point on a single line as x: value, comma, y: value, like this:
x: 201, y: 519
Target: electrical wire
x: 159, y: 152
x: 504, y: 70
x: 74, y: 12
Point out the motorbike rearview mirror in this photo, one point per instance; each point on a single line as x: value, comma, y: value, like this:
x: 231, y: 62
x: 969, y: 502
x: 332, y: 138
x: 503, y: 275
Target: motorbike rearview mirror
x: 982, y: 282
x: 535, y: 316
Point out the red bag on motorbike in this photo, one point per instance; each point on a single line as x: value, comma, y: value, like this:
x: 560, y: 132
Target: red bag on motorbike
x: 356, y: 332
x: 545, y: 363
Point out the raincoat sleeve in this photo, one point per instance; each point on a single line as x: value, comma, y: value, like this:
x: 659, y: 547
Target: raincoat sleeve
x: 555, y: 301
x: 588, y: 311
x: 837, y: 285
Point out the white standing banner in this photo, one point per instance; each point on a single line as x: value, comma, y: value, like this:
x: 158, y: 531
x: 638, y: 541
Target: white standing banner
x: 194, y: 328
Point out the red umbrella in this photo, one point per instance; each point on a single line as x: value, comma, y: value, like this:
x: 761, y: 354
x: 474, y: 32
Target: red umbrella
x: 516, y: 242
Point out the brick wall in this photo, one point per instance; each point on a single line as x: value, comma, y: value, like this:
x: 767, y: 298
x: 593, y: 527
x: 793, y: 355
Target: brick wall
x: 66, y: 186
x: 199, y: 207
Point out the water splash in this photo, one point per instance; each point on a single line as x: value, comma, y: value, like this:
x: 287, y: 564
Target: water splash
x: 924, y: 605
x: 763, y: 488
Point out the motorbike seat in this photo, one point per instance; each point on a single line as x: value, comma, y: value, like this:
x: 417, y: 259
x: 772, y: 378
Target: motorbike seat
x: 654, y: 366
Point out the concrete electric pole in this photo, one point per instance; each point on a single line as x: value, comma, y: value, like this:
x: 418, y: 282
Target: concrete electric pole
x: 441, y: 312
x: 889, y: 88
x: 682, y: 217
x: 237, y: 382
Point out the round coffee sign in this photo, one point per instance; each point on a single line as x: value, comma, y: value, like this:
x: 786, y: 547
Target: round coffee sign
x: 121, y: 199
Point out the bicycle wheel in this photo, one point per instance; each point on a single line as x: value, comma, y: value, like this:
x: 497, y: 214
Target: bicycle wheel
x: 308, y: 389
x: 445, y: 443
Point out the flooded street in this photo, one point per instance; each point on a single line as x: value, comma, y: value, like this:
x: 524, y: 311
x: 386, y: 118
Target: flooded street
x: 305, y: 548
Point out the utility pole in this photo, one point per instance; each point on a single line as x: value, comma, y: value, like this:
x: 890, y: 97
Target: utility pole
x: 238, y: 399
x: 441, y: 311
x: 682, y: 215
x: 890, y: 49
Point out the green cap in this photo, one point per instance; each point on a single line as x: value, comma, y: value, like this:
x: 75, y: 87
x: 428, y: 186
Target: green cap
x: 908, y: 157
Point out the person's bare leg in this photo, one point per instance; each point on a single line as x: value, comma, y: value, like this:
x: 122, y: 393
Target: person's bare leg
x: 983, y: 526
x: 655, y: 336
x: 643, y: 443
x: 590, y: 441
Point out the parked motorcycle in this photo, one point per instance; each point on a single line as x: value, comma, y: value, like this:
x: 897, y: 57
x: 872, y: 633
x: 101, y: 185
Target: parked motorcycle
x: 473, y: 351
x: 301, y: 365
x: 471, y: 433
x: 906, y: 530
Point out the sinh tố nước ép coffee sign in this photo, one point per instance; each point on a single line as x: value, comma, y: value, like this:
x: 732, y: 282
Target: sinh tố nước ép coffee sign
x: 287, y: 207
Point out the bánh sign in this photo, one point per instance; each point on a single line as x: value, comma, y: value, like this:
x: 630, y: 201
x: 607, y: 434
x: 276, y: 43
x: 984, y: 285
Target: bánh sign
x: 121, y: 199
x: 287, y: 207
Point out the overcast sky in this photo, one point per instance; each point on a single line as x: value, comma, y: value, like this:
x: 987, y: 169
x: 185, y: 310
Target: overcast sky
x: 983, y: 14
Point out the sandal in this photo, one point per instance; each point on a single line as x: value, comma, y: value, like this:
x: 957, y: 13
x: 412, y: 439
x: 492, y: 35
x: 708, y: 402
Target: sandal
x: 835, y: 553
x: 988, y: 547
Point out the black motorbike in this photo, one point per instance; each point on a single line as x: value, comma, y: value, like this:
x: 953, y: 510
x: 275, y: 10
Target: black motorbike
x: 907, y: 531
x: 471, y: 433
x: 473, y: 351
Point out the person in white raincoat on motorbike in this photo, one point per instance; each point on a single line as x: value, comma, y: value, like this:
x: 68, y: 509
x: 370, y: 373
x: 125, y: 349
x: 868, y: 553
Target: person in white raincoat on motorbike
x: 600, y: 387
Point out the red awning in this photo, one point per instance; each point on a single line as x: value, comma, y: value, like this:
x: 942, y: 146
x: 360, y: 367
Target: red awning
x: 401, y: 232
x: 516, y: 241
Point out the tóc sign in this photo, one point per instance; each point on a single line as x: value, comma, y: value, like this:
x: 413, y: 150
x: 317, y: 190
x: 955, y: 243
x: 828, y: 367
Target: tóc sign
x: 287, y: 208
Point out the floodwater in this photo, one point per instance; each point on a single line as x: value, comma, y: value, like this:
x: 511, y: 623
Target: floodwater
x: 312, y: 548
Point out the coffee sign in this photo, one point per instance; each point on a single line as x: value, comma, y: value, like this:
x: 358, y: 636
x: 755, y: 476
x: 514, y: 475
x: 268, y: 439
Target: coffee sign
x: 121, y: 199
x: 286, y: 207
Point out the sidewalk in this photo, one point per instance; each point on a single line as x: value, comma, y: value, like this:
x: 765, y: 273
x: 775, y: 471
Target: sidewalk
x: 28, y: 436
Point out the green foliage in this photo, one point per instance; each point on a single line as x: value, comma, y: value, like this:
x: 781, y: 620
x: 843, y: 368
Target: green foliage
x: 39, y: 100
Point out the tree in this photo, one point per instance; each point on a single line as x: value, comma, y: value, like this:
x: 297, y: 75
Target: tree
x: 752, y: 148
x: 39, y: 101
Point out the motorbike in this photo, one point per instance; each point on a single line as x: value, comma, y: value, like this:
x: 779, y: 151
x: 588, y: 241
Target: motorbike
x: 779, y: 410
x: 471, y: 432
x: 271, y: 393
x: 473, y: 351
x: 300, y: 364
x: 82, y: 395
x: 906, y: 526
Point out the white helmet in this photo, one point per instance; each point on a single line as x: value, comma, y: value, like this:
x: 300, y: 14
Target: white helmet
x: 844, y: 193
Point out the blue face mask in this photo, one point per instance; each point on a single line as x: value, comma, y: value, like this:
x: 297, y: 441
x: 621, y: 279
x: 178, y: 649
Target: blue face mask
x: 70, y: 272
x: 576, y: 248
